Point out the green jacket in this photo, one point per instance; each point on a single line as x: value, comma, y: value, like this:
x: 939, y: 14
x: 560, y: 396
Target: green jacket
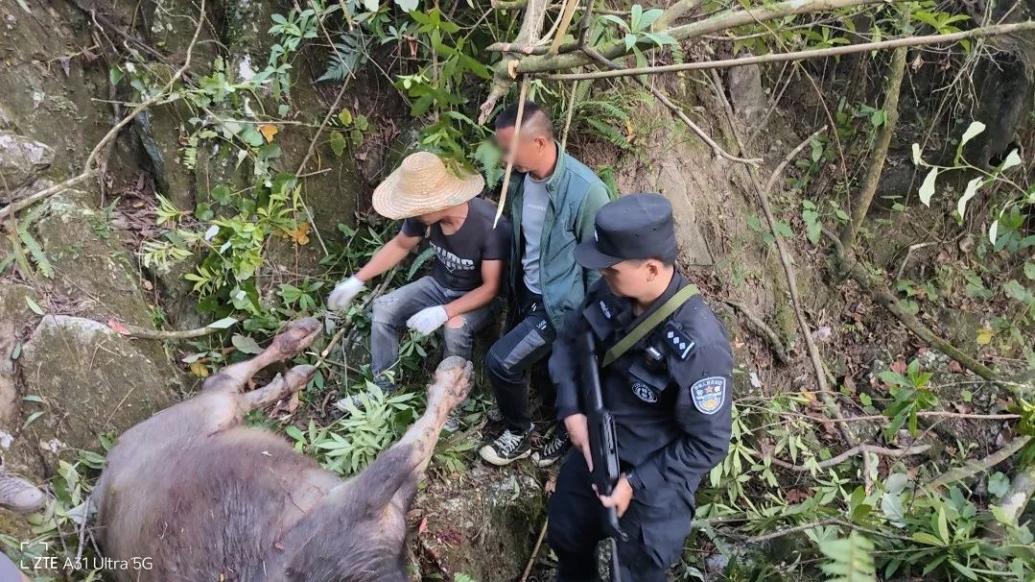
x: 576, y: 193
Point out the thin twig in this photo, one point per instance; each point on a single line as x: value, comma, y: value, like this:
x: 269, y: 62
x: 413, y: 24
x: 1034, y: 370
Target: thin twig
x: 535, y: 551
x: 159, y: 334
x: 762, y: 193
x: 760, y: 327
x: 856, y: 450
x: 571, y: 110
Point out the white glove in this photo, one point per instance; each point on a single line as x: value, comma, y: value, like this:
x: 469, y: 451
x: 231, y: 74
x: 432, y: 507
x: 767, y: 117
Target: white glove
x: 344, y: 293
x: 428, y: 319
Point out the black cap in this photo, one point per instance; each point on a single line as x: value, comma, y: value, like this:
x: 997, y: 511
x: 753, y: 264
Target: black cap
x: 636, y: 226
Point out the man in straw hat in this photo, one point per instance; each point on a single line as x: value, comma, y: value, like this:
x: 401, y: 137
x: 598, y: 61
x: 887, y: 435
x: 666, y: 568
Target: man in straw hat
x: 551, y: 202
x: 441, y: 206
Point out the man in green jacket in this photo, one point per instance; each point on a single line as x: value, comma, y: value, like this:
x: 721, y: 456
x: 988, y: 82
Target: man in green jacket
x: 553, y: 200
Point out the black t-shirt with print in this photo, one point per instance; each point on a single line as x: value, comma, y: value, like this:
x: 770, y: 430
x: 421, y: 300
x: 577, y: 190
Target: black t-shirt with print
x: 459, y: 256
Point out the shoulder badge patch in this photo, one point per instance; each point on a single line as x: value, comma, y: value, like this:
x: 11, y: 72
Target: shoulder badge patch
x: 709, y: 394
x: 677, y: 341
x: 644, y: 393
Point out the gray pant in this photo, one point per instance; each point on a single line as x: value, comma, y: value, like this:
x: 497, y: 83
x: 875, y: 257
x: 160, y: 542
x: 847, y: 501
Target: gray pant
x: 392, y: 310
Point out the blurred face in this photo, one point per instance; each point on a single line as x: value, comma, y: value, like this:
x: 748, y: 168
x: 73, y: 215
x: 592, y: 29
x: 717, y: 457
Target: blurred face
x: 631, y: 278
x: 529, y: 150
x: 432, y: 217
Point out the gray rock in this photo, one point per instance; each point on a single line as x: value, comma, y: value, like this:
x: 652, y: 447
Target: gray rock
x: 90, y: 381
x: 21, y: 159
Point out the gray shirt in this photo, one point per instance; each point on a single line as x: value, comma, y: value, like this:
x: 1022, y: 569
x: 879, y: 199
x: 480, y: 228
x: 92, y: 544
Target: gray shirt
x: 533, y: 214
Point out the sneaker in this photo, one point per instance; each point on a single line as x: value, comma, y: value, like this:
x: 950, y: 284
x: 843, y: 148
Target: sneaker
x: 507, y: 448
x: 452, y: 422
x: 18, y: 495
x: 557, y: 447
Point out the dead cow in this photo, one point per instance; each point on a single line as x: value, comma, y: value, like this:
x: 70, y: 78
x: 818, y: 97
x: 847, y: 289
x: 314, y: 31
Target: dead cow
x: 192, y: 495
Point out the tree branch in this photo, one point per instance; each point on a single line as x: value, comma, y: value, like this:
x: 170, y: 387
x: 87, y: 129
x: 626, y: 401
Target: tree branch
x: 980, y: 465
x: 880, y: 292
x: 997, y: 30
x: 861, y: 204
x: 718, y: 22
x: 856, y: 450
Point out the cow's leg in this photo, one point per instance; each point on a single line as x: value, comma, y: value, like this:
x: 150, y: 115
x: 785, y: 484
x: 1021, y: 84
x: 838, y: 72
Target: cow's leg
x: 281, y: 387
x: 298, y: 336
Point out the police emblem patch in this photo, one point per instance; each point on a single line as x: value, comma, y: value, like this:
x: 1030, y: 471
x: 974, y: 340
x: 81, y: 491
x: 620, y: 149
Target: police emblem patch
x: 644, y: 393
x: 709, y: 394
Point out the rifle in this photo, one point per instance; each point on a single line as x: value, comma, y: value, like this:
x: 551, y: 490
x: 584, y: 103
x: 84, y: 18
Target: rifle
x: 603, y: 443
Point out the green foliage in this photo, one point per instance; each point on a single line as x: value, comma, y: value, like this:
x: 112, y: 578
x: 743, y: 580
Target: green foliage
x: 850, y: 559
x: 21, y: 248
x: 351, y: 443
x: 911, y: 393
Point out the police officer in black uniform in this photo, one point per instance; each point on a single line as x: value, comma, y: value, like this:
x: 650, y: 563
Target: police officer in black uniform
x: 670, y: 395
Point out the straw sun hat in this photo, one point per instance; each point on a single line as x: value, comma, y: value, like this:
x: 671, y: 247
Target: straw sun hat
x: 422, y: 184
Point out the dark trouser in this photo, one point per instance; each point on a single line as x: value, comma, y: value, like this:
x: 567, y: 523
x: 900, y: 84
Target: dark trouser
x: 657, y: 526
x: 510, y: 358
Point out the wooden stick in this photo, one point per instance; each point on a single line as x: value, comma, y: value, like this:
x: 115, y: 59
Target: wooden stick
x: 978, y: 466
x: 513, y: 148
x: 879, y: 153
x: 565, y: 20
x: 857, y: 449
x: 535, y: 551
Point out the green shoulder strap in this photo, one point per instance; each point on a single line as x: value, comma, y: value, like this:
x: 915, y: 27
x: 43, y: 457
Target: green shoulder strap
x: 647, y: 325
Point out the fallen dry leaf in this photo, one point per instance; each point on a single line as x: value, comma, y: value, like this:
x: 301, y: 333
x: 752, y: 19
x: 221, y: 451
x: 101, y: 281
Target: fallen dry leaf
x: 118, y: 327
x: 268, y: 131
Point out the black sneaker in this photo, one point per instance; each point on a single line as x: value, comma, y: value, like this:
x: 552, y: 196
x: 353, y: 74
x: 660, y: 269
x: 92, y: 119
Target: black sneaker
x: 507, y: 448
x: 555, y: 448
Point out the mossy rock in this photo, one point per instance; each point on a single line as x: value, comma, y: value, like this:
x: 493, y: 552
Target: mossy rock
x: 89, y: 381
x: 91, y: 267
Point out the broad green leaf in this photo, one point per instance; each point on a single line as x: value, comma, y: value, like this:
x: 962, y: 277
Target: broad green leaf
x: 371, y: 5
x: 917, y: 159
x: 1029, y: 270
x: 35, y: 307
x: 338, y: 143
x: 224, y: 323
x: 998, y: 484
x: 943, y: 525
x: 1012, y: 159
x: 245, y: 344
x: 926, y: 538
x: 968, y: 193
x: 408, y: 5
x: 973, y: 131
x: 993, y: 231
x: 927, y: 187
